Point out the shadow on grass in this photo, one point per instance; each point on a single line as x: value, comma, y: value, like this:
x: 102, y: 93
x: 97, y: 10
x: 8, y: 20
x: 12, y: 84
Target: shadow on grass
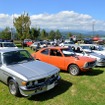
x: 62, y: 87
x: 92, y: 72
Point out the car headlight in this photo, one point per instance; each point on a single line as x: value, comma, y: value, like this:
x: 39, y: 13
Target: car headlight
x: 31, y: 84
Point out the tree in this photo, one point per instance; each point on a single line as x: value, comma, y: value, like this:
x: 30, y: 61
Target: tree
x: 69, y: 35
x: 6, y: 33
x: 80, y: 37
x: 22, y: 25
x: 52, y: 35
x: 58, y: 34
x: 44, y: 34
x: 34, y: 32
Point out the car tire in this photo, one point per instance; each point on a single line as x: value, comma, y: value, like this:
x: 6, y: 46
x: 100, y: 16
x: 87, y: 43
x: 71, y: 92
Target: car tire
x: 13, y: 87
x: 73, y: 70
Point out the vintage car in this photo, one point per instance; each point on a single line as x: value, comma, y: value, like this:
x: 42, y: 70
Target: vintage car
x: 65, y: 59
x: 37, y: 45
x: 66, y: 43
x: 83, y: 50
x: 27, y: 42
x: 100, y: 49
x: 24, y: 75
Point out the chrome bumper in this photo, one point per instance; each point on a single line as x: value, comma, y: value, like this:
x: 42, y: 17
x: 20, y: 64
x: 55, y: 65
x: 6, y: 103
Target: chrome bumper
x: 38, y: 89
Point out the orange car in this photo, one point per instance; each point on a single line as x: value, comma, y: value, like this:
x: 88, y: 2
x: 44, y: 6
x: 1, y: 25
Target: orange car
x: 65, y: 59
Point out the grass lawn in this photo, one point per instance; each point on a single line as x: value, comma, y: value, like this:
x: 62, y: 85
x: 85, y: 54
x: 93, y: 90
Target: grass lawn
x: 85, y: 89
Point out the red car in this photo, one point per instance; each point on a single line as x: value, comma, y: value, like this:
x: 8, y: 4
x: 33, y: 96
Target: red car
x: 65, y: 59
x: 27, y: 42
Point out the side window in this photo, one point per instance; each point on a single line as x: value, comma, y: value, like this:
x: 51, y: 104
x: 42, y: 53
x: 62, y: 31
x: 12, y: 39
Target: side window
x: 55, y: 53
x: 59, y: 53
x: 78, y: 50
x: 45, y: 52
x: 0, y: 44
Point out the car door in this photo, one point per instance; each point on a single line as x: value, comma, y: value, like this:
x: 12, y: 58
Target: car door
x: 2, y: 72
x: 56, y: 58
x: 44, y: 55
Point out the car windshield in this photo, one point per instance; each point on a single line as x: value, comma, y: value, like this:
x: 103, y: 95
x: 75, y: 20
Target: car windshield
x: 68, y: 52
x: 99, y: 48
x: 14, y: 57
x: 27, y: 40
x: 9, y: 45
x: 36, y: 43
x: 85, y: 47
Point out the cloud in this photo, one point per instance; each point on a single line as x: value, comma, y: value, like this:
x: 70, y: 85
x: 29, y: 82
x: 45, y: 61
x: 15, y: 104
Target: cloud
x: 68, y: 20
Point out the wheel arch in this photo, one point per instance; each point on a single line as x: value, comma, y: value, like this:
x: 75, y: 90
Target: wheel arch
x: 72, y: 64
x: 13, y: 83
x: 10, y: 78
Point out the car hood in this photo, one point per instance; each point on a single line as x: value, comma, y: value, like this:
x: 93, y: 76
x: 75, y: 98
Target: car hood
x: 85, y: 58
x: 97, y: 55
x: 93, y: 55
x: 34, y: 69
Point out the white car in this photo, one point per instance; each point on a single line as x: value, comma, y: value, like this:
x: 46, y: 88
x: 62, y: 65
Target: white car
x: 100, y: 49
x: 7, y: 45
x: 24, y: 75
x: 89, y: 53
x: 37, y: 45
x: 64, y: 44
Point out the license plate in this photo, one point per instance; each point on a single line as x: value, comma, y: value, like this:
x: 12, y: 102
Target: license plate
x: 50, y: 86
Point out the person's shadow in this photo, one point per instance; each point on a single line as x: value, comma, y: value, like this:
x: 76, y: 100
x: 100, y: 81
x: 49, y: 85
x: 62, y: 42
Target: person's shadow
x: 62, y: 87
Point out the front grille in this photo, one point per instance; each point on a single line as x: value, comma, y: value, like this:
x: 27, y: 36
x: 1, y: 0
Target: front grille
x: 48, y: 80
x: 43, y: 82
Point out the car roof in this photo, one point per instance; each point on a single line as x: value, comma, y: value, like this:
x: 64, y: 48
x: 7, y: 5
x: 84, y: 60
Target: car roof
x: 87, y: 44
x: 52, y: 47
